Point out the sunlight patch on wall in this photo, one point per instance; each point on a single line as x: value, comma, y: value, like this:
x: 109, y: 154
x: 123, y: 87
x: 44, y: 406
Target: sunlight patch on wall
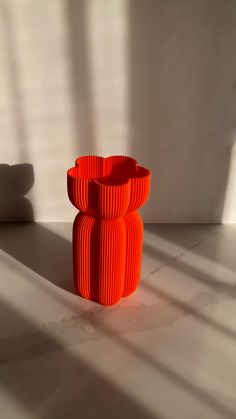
x: 107, y: 54
x: 229, y: 212
x: 37, y: 38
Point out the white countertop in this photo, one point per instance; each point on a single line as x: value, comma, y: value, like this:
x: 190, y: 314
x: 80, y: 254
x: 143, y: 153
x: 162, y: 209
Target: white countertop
x: 166, y: 352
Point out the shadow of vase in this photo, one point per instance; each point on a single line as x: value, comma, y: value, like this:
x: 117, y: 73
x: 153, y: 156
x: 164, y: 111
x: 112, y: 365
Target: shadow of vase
x: 32, y: 244
x: 15, y: 183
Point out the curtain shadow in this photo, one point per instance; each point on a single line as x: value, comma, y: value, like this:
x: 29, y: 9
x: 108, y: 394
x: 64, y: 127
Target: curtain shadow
x: 193, y: 309
x: 176, y: 234
x: 32, y: 380
x: 182, y: 72
x: 41, y: 250
x: 203, y: 396
x: 213, y: 254
x: 40, y: 342
x: 50, y: 256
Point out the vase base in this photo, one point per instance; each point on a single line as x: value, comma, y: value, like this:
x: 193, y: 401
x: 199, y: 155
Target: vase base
x: 103, y: 302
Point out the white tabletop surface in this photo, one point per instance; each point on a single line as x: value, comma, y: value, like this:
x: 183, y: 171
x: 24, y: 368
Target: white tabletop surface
x: 166, y: 352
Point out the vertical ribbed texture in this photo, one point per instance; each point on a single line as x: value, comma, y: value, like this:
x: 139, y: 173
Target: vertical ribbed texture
x: 140, y: 188
x: 83, y: 257
x: 111, y: 248
x: 78, y: 189
x: 134, y: 247
x: 113, y: 201
x: 108, y: 232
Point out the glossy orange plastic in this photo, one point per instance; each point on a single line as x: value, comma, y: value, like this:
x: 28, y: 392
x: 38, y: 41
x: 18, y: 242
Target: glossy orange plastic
x: 108, y: 230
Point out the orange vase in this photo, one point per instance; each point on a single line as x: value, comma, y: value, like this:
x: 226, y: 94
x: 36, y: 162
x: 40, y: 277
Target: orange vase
x: 108, y: 230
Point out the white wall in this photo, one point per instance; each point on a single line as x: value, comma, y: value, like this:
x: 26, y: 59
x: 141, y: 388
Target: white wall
x: 153, y: 79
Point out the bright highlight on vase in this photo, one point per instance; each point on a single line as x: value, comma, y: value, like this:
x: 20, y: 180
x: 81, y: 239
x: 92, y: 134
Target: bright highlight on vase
x: 108, y: 230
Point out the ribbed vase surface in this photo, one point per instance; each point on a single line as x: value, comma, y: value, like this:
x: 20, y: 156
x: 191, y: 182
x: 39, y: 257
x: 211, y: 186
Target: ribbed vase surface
x: 108, y: 230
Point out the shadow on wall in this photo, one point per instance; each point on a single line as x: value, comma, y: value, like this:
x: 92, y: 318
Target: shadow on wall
x: 32, y: 244
x: 15, y: 182
x: 182, y: 104
x: 41, y: 250
x: 181, y: 87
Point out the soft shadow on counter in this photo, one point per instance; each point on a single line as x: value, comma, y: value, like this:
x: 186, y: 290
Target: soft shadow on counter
x: 39, y: 343
x: 176, y: 236
x: 40, y: 249
x: 45, y: 378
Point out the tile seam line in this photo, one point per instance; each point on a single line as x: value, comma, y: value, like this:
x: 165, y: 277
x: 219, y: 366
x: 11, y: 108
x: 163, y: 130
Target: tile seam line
x: 175, y: 259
